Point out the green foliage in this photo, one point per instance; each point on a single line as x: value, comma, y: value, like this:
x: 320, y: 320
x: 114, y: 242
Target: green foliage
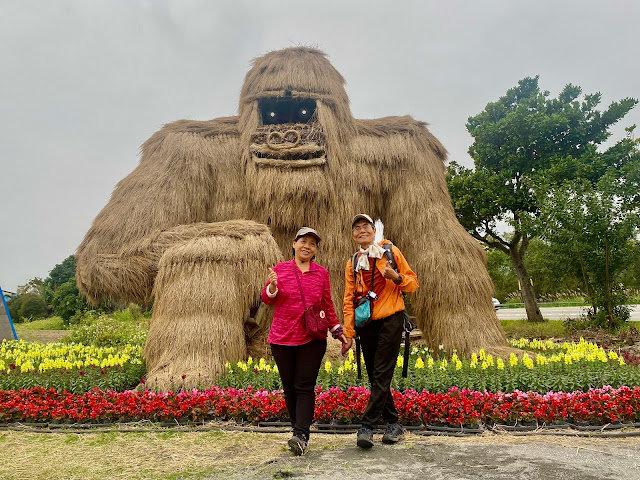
x: 596, y: 221
x: 51, y: 323
x: 526, y: 144
x: 62, y: 273
x: 76, y: 380
x: 67, y: 300
x: 124, y: 327
x: 29, y: 306
x: 501, y: 272
x: 522, y: 329
x: 13, y: 305
x: 560, y: 369
x: 630, y: 278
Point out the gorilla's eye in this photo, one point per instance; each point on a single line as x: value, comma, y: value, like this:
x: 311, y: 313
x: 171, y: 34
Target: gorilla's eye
x: 278, y: 110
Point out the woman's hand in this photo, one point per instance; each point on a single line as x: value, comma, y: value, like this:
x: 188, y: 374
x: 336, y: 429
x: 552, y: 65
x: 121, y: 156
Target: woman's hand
x: 346, y: 344
x: 273, y: 281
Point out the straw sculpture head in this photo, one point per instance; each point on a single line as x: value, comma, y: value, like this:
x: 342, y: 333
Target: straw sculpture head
x: 213, y: 204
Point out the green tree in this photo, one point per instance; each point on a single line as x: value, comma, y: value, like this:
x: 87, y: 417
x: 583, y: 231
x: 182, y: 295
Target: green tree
x: 32, y: 307
x: 14, y: 304
x: 501, y: 273
x: 598, y: 220
x: 62, y: 272
x: 67, y: 300
x: 524, y: 141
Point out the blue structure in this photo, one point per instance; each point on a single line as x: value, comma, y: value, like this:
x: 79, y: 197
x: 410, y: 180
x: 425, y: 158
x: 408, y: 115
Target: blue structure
x: 7, y: 329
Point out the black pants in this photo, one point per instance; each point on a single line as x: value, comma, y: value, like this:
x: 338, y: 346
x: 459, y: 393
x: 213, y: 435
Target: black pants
x: 380, y: 341
x: 298, y: 366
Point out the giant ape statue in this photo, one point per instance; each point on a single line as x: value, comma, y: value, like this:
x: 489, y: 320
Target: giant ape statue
x: 213, y: 204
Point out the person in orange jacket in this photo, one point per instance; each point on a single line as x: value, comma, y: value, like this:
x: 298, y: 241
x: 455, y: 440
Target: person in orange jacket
x: 380, y: 337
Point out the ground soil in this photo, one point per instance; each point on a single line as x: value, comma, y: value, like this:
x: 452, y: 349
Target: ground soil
x: 42, y: 336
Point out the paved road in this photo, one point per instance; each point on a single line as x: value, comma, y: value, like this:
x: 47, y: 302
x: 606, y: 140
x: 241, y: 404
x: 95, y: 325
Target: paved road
x: 556, y: 313
x: 487, y: 458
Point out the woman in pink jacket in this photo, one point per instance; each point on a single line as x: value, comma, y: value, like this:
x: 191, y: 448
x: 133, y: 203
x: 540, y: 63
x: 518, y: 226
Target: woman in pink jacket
x: 297, y: 355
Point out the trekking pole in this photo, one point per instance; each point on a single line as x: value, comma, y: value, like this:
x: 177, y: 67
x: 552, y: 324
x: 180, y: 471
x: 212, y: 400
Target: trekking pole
x: 358, y: 357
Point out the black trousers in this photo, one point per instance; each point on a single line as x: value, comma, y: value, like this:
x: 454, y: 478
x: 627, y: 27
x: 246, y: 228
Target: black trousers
x: 298, y: 366
x: 380, y: 341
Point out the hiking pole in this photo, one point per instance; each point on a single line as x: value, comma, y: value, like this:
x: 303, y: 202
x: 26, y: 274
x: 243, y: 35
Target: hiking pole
x: 405, y: 363
x: 358, y: 357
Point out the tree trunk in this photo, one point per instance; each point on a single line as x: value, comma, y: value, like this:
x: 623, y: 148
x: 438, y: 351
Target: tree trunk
x: 608, y: 281
x: 586, y: 281
x: 528, y: 295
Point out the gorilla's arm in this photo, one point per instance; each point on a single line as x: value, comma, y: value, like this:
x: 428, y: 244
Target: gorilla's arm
x: 453, y: 304
x: 184, y: 171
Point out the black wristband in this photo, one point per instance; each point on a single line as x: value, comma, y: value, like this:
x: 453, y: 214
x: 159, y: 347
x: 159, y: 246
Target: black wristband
x: 398, y: 280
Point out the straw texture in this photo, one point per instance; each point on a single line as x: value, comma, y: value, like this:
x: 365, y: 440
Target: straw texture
x: 202, y: 184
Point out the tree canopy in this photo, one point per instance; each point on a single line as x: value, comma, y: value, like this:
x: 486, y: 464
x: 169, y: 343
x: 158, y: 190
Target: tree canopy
x: 526, y: 143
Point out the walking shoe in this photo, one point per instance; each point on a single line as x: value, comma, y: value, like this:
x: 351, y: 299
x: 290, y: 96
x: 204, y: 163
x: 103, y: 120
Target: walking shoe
x: 365, y: 438
x: 393, y: 433
x: 297, y: 445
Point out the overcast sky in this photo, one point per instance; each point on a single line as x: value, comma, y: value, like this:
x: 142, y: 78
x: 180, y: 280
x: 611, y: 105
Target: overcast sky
x: 84, y: 83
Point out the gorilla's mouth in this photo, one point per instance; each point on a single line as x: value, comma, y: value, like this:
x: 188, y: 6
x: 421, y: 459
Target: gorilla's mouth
x: 291, y: 145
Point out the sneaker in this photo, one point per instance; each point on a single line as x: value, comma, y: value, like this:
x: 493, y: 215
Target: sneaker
x: 365, y: 438
x: 297, y: 445
x: 393, y: 433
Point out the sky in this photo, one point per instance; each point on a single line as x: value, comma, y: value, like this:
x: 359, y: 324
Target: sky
x: 84, y: 83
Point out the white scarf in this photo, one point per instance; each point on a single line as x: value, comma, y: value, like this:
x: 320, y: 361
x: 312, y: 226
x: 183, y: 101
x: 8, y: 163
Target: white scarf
x: 374, y: 250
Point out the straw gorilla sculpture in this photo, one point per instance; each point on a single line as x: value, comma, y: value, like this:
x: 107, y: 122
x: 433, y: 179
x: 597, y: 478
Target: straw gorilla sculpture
x: 213, y: 204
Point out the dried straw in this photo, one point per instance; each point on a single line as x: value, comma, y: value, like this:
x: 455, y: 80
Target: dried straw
x: 195, y: 176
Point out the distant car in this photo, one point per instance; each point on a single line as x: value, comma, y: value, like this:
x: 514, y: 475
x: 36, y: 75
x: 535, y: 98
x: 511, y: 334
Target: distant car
x: 496, y: 303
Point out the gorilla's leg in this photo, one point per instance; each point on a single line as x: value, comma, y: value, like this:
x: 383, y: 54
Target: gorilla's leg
x: 203, y: 292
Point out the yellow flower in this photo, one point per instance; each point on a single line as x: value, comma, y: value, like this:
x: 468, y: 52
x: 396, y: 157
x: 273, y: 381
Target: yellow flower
x: 500, y: 364
x: 340, y: 370
x: 613, y: 355
x: 351, y: 357
x: 419, y: 364
x: 400, y: 361
x: 484, y: 365
x: 443, y: 364
x: 458, y: 365
x: 430, y: 363
x: 327, y: 366
x: 513, y: 360
x: 482, y: 354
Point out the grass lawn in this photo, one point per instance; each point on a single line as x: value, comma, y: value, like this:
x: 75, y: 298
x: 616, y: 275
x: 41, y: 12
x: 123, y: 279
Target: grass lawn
x: 164, y: 454
x: 540, y: 330
x: 45, y: 331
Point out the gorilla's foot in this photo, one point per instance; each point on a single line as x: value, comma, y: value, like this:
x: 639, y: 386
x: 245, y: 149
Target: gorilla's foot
x: 203, y: 292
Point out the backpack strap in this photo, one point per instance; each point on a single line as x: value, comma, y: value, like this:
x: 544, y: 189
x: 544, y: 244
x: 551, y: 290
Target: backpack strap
x: 388, y: 252
x: 354, y: 259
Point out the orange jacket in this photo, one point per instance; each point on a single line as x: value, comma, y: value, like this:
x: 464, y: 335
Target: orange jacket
x: 389, y: 300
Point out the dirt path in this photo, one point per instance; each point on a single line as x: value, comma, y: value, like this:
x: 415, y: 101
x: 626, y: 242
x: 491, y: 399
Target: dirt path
x: 42, y: 336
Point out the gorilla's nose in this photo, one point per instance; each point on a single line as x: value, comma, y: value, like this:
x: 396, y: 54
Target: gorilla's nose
x: 283, y: 141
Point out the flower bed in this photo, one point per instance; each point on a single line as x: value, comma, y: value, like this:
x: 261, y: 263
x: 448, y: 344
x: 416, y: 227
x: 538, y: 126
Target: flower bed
x: 72, y: 367
x: 455, y: 407
x: 547, y: 367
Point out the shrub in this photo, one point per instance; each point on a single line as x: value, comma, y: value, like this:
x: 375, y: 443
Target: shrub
x: 67, y: 300
x: 102, y: 331
x: 32, y: 307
